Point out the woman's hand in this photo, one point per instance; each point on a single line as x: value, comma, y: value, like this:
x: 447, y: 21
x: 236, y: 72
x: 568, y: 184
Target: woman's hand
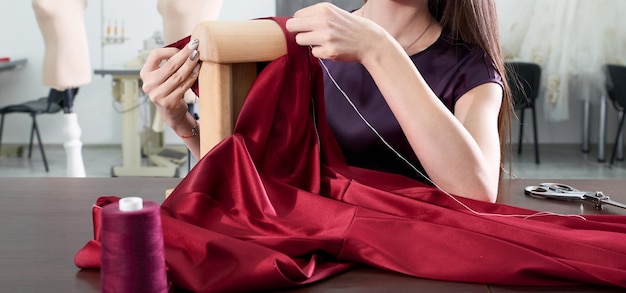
x: 334, y: 33
x: 166, y: 75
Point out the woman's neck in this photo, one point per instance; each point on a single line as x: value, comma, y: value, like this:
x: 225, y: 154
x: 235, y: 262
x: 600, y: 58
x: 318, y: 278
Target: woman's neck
x: 409, y: 22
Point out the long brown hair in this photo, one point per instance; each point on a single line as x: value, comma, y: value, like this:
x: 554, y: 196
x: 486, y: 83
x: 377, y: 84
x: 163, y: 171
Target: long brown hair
x: 476, y: 22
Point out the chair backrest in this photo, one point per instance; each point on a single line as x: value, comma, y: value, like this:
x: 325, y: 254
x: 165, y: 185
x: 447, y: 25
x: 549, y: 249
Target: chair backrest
x: 616, y: 84
x: 229, y: 51
x: 524, y: 79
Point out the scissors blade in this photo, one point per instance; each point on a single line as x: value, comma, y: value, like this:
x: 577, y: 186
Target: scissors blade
x: 613, y: 203
x: 599, y: 198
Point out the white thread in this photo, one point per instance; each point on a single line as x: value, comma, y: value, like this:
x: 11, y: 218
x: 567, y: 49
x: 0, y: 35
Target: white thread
x: 538, y: 214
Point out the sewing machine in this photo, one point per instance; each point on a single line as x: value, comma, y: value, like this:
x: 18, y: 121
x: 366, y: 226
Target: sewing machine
x: 162, y: 161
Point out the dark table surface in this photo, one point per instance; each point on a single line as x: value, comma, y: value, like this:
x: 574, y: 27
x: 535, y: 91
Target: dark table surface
x: 45, y: 221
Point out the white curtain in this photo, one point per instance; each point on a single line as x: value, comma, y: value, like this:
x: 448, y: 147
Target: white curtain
x: 572, y: 40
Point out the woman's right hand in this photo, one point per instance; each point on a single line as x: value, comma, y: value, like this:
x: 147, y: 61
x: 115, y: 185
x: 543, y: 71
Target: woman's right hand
x: 334, y: 33
x: 166, y: 75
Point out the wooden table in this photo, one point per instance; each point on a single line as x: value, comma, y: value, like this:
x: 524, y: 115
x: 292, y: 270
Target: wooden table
x: 45, y: 221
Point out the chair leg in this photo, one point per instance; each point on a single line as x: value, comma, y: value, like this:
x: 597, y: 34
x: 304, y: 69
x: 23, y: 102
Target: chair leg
x: 1, y: 128
x: 521, y: 131
x: 619, y: 131
x: 32, y: 133
x: 43, y: 153
x: 619, y: 155
x: 191, y: 110
x: 535, y: 134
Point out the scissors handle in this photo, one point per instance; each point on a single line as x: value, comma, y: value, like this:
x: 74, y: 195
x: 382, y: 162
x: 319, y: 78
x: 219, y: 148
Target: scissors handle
x: 542, y: 191
x: 562, y: 188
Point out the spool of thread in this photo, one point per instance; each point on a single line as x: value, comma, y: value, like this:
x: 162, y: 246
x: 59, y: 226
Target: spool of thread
x: 133, y: 258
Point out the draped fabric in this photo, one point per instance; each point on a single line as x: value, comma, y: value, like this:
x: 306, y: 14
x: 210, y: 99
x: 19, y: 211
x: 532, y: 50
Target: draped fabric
x: 572, y: 40
x: 275, y: 205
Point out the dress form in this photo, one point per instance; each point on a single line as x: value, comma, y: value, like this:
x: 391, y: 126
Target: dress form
x: 180, y: 17
x: 66, y: 65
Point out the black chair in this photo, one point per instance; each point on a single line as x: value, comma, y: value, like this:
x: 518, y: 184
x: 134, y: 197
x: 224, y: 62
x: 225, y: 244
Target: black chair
x: 524, y: 80
x: 53, y: 103
x: 616, y: 89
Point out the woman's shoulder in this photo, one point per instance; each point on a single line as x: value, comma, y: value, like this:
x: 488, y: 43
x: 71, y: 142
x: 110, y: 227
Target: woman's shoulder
x: 449, y: 46
x: 455, y: 53
x: 452, y: 67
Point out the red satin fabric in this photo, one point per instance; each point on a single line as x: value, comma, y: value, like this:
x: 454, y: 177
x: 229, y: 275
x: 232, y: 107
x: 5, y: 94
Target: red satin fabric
x: 275, y: 206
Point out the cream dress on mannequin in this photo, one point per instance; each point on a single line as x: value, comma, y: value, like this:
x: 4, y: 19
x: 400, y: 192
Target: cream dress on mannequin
x: 66, y: 64
x: 180, y: 17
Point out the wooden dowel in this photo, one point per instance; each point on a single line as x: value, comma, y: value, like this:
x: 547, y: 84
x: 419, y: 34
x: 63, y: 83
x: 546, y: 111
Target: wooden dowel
x: 240, y: 41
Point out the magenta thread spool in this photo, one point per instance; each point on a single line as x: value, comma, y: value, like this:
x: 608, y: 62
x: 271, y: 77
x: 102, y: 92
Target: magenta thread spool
x: 132, y: 247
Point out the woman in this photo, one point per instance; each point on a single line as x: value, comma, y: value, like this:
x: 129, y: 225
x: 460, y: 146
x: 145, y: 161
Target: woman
x: 454, y: 133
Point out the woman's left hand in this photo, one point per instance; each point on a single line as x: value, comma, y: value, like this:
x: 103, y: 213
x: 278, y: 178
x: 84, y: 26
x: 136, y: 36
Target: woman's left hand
x: 334, y: 33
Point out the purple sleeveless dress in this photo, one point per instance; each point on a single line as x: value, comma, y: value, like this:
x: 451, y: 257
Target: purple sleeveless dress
x: 451, y: 68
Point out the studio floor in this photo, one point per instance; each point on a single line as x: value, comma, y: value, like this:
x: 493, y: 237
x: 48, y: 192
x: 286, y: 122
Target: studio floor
x: 556, y: 161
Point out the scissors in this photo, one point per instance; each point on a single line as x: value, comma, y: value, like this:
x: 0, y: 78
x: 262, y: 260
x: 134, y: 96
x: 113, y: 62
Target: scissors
x: 565, y: 192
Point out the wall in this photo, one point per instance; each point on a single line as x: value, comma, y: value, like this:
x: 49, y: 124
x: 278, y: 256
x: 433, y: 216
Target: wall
x: 98, y: 114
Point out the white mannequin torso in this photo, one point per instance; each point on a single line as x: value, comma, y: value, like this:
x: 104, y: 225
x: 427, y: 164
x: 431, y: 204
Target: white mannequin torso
x: 66, y: 61
x: 181, y: 16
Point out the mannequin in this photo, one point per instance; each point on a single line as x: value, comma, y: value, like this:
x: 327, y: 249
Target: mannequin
x: 66, y: 65
x: 180, y: 17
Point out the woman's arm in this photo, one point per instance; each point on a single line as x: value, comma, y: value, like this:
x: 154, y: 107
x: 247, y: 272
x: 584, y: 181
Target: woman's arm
x: 460, y: 154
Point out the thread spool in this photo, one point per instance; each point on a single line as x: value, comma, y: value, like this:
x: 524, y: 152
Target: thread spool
x: 132, y: 255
